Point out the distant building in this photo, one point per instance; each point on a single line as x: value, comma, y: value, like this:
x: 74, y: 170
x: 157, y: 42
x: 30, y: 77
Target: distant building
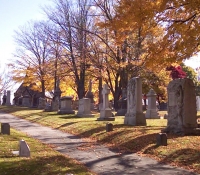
x: 25, y: 96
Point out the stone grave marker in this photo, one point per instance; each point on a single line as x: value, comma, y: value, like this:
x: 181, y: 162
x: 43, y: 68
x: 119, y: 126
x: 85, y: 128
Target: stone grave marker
x: 161, y: 139
x: 152, y: 110
x: 8, y: 98
x: 84, y: 108
x: 134, y: 115
x: 66, y: 105
x: 5, y: 128
x: 182, y: 112
x: 109, y: 127
x: 106, y: 112
x: 24, y: 150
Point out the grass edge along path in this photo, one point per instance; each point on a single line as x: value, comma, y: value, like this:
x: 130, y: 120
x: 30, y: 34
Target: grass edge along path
x: 181, y: 151
x: 43, y: 161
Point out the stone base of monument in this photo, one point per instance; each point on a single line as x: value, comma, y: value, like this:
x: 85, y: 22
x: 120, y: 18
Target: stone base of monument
x: 61, y: 111
x: 152, y: 114
x: 106, y: 115
x: 183, y: 131
x: 85, y: 115
x: 135, y: 119
x: 121, y: 112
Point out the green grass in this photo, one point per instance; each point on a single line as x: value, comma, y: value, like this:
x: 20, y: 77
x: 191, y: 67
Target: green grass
x: 43, y: 161
x: 181, y: 151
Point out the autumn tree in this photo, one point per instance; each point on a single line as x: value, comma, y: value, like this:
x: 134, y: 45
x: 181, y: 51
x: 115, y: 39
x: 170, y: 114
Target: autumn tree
x: 72, y: 19
x: 32, y: 56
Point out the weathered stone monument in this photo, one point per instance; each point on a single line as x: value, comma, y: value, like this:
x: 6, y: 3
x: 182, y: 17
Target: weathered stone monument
x: 106, y: 112
x: 24, y: 150
x: 4, y: 98
x: 90, y: 95
x: 134, y: 115
x: 8, y: 98
x: 122, y: 104
x: 152, y: 110
x: 56, y: 97
x: 161, y: 139
x: 182, y: 111
x: 84, y: 108
x: 198, y: 102
x: 5, y: 128
x: 66, y: 105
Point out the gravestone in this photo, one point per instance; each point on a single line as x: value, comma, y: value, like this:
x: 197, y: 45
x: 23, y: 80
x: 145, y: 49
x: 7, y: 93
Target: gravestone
x: 8, y: 98
x: 90, y: 95
x: 4, y: 98
x: 161, y: 139
x: 182, y: 113
x: 106, y: 112
x: 24, y: 150
x: 26, y: 101
x: 5, y: 128
x: 152, y: 110
x: 109, y: 127
x: 66, y: 105
x: 84, y: 108
x: 56, y: 99
x: 134, y: 115
x: 122, y: 104
x: 198, y: 102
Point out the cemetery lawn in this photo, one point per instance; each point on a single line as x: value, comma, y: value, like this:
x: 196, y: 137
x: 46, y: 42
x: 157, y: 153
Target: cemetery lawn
x: 182, y: 151
x: 44, y: 160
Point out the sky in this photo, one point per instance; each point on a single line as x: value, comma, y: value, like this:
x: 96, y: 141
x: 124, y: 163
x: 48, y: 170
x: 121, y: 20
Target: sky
x: 13, y: 14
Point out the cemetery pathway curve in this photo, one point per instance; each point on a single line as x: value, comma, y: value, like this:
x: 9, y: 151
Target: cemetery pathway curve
x: 99, y: 158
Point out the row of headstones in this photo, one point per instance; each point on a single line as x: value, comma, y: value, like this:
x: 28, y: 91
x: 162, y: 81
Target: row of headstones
x: 24, y: 150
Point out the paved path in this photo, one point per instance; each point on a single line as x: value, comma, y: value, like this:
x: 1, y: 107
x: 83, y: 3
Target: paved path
x: 99, y: 159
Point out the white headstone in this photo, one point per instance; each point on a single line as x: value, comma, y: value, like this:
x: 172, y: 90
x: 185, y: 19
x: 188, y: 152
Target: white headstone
x: 106, y: 112
x: 66, y: 105
x: 84, y: 108
x: 198, y: 102
x: 152, y: 111
x: 181, y: 107
x: 24, y: 150
x: 8, y: 98
x: 134, y: 115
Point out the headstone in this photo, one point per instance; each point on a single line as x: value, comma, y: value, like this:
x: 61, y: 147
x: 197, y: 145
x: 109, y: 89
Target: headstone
x: 90, y: 95
x: 161, y: 139
x: 8, y: 98
x: 152, y: 110
x: 4, y: 98
x: 5, y: 128
x: 109, y: 127
x: 66, y: 105
x: 24, y: 150
x: 26, y: 101
x: 106, y: 112
x: 84, y: 108
x: 122, y: 104
x: 55, y: 104
x: 42, y: 103
x: 182, y: 113
x: 198, y: 102
x: 134, y: 115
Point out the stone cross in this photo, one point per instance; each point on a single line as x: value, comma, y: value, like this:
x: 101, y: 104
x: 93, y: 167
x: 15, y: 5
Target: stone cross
x: 105, y: 93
